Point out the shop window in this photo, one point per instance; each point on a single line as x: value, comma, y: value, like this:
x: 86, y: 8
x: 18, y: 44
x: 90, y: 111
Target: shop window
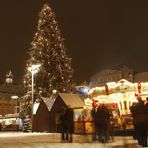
x: 78, y: 115
x: 87, y: 115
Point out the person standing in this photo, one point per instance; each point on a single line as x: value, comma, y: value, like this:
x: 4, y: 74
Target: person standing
x: 95, y: 123
x: 63, y: 123
x: 138, y: 113
x: 146, y: 122
x: 103, y: 124
x: 69, y: 115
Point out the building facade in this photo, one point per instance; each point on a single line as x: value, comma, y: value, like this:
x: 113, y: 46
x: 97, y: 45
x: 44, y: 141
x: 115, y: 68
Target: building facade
x: 9, y: 104
x: 112, y: 75
x: 141, y: 77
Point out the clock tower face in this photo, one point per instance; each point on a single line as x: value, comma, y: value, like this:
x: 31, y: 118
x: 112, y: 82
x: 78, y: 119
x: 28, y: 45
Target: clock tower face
x: 9, y: 77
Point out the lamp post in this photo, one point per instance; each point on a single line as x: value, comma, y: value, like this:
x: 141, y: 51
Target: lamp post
x: 33, y: 69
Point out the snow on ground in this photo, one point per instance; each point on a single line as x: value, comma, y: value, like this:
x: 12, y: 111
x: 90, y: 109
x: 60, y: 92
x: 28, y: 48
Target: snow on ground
x: 21, y: 134
x: 50, y: 140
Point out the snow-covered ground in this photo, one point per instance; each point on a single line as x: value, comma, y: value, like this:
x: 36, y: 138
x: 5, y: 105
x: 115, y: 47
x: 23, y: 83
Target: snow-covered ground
x: 50, y: 140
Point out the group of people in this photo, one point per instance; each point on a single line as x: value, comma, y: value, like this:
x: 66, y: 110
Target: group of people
x: 101, y: 127
x: 139, y: 112
x: 101, y: 120
x: 67, y: 125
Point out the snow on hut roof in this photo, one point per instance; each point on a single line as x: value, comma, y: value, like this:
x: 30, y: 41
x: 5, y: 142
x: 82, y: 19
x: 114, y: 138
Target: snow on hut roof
x: 48, y: 102
x: 72, y: 100
x: 35, y: 107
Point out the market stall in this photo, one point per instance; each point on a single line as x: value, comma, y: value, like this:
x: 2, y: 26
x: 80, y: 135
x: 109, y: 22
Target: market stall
x: 119, y: 96
x: 10, y: 122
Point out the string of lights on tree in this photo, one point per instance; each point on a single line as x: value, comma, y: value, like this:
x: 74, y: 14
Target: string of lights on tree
x: 47, y: 49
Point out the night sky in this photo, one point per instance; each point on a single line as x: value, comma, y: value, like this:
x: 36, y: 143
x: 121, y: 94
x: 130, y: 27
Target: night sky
x: 98, y: 34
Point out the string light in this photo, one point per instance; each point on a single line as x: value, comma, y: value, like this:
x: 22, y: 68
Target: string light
x: 48, y: 49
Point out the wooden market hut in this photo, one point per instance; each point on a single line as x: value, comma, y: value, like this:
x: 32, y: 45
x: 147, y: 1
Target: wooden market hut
x: 46, y: 118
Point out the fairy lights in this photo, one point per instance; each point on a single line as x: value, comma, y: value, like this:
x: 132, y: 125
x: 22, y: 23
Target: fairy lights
x: 48, y: 49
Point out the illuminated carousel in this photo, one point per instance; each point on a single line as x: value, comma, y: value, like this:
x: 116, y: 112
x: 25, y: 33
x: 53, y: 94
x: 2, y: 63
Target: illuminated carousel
x: 118, y: 96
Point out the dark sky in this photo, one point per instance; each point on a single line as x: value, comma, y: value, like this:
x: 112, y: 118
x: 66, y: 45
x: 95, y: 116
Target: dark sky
x: 98, y: 34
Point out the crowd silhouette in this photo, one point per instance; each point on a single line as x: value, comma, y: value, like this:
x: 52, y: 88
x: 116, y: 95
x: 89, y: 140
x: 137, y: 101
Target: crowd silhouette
x: 101, y: 116
x: 101, y: 119
x: 67, y: 125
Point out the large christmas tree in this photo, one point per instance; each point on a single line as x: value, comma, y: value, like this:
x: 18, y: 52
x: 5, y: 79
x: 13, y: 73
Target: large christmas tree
x: 47, y: 49
x: 55, y: 72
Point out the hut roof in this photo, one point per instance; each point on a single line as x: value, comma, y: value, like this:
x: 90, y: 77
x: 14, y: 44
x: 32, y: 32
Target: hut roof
x: 48, y: 102
x: 72, y: 100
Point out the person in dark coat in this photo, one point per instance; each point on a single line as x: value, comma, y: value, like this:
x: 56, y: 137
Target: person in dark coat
x: 138, y: 113
x: 95, y: 123
x: 63, y: 123
x: 146, y: 122
x: 103, y: 117
x: 69, y: 123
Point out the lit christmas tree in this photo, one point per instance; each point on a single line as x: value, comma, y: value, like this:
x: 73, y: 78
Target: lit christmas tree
x: 55, y: 74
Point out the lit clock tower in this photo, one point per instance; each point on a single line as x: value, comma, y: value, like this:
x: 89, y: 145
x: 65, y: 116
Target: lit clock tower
x: 9, y: 78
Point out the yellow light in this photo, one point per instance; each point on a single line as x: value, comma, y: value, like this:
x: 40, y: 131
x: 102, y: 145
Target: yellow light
x: 14, y: 97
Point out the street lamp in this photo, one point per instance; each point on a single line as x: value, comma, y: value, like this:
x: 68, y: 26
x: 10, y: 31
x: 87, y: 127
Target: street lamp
x: 33, y: 69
